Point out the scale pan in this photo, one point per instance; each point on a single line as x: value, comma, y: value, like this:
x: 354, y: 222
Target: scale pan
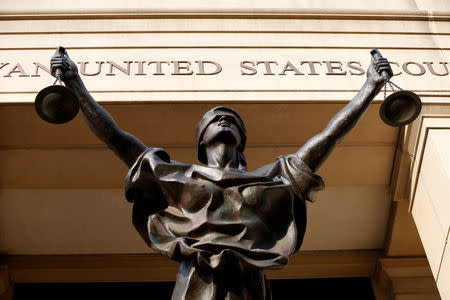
x: 56, y: 104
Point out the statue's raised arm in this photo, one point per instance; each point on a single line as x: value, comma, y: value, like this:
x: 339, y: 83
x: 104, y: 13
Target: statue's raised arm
x: 317, y: 149
x: 124, y: 145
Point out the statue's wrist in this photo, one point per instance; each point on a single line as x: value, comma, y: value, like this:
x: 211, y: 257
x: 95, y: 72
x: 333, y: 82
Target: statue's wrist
x: 372, y: 82
x: 73, y: 81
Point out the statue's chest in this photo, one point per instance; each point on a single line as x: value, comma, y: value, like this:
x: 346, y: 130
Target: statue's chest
x: 228, y: 200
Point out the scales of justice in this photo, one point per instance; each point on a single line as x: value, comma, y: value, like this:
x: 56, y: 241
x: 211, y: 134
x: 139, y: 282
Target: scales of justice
x: 222, y: 223
x: 58, y: 104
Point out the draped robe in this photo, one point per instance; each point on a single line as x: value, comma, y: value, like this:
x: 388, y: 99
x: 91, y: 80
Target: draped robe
x: 224, y: 226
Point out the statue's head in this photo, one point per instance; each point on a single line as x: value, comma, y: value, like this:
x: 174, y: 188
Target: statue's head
x: 227, y: 123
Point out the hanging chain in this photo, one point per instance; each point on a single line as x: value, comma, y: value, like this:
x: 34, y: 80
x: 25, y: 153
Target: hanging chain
x: 58, y: 79
x: 393, y: 84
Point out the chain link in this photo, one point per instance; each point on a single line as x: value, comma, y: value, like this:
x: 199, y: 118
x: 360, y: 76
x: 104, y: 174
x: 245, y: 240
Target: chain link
x: 393, y: 84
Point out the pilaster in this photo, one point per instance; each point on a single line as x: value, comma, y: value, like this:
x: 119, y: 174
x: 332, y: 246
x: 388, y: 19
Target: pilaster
x: 404, y: 279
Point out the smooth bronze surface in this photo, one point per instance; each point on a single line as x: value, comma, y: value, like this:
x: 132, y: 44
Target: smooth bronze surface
x: 400, y: 108
x: 56, y: 104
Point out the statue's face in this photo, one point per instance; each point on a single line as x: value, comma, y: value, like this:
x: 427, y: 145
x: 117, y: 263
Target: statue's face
x: 223, y: 130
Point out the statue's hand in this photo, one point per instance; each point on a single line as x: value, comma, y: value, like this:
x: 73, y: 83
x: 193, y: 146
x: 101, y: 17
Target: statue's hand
x: 379, y: 70
x: 61, y: 60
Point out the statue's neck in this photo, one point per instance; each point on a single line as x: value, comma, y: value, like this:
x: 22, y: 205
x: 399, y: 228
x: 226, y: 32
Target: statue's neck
x: 222, y: 156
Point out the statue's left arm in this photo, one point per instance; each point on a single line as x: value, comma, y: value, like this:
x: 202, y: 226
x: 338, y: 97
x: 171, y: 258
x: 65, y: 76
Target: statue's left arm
x: 318, y: 148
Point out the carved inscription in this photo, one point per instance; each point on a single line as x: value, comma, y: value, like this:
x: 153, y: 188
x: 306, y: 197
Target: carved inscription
x: 211, y: 68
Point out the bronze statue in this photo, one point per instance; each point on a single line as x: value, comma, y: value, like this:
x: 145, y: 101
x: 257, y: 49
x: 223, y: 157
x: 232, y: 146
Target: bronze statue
x: 224, y: 224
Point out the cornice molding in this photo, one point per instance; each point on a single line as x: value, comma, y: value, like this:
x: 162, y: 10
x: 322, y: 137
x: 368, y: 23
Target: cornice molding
x: 154, y: 267
x: 419, y: 15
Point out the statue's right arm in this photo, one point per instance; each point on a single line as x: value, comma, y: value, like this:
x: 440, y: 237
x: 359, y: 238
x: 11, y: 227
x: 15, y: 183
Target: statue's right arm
x: 124, y: 145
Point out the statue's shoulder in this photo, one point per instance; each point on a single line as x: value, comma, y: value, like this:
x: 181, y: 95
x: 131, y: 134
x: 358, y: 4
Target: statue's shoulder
x: 152, y: 153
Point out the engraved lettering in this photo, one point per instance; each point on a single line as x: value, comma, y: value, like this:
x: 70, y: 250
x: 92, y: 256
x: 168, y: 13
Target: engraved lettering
x: 40, y: 66
x: 395, y: 63
x: 334, y: 68
x: 17, y: 69
x: 431, y: 68
x: 113, y: 65
x: 267, y: 66
x: 158, y: 66
x: 140, y: 64
x: 290, y: 67
x: 406, y: 65
x: 312, y: 68
x: 355, y: 65
x: 83, y: 68
x: 201, y: 67
x: 180, y: 66
x: 3, y: 64
x: 244, y: 65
